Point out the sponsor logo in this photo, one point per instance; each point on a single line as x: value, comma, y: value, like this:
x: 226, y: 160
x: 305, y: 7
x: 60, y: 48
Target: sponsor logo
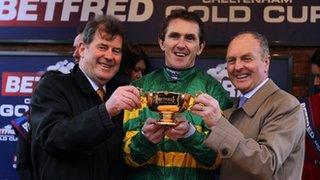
x: 220, y: 73
x: 63, y: 66
x: 7, y: 134
x: 19, y: 83
x: 23, y: 83
x: 68, y: 12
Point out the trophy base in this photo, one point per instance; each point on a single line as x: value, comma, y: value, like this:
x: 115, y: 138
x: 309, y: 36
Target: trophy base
x: 165, y: 123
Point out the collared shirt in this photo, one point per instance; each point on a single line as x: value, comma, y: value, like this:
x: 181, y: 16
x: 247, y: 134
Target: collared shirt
x: 93, y: 84
x: 251, y: 93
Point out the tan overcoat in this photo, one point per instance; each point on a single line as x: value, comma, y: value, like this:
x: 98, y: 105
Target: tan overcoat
x: 262, y: 140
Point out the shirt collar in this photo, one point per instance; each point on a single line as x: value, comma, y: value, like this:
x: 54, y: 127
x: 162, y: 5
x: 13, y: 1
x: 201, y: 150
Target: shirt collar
x: 251, y: 93
x: 174, y: 75
x: 93, y: 84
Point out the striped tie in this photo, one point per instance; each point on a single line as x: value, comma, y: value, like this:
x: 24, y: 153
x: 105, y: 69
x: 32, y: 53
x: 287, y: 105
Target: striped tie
x: 102, y: 94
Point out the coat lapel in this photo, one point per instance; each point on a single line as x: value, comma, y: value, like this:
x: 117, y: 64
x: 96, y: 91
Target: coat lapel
x: 82, y: 80
x: 253, y: 104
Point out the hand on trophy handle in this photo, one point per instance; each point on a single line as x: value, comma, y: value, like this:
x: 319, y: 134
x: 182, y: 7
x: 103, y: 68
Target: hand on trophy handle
x: 208, y: 108
x: 182, y: 130
x: 153, y: 131
x: 124, y: 97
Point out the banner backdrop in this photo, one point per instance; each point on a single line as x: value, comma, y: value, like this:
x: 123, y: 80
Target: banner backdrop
x: 20, y: 73
x: 284, y: 22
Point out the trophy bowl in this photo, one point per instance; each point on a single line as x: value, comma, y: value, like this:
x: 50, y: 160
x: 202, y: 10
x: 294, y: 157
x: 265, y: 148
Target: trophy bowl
x: 167, y: 104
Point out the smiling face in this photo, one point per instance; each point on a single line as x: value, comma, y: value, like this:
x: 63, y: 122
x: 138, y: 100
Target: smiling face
x: 181, y: 44
x: 247, y: 66
x: 101, y: 58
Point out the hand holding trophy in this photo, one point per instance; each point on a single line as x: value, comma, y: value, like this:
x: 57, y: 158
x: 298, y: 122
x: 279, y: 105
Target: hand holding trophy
x: 166, y: 104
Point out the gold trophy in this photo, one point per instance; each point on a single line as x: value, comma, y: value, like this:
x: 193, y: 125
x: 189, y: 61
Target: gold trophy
x: 167, y: 103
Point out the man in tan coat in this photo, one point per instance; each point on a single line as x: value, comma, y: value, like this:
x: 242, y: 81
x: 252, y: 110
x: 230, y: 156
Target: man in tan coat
x: 262, y: 135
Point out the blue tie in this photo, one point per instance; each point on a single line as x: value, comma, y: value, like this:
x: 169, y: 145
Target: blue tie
x: 242, y: 100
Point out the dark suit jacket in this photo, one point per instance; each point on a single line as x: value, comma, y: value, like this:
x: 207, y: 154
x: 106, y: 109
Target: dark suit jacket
x: 73, y: 136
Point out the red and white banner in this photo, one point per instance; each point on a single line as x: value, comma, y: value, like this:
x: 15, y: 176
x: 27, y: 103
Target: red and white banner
x: 282, y: 21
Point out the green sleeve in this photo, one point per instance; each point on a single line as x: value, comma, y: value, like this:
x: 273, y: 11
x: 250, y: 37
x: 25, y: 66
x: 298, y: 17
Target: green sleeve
x: 221, y: 95
x: 137, y: 148
x: 196, y: 147
x: 142, y: 149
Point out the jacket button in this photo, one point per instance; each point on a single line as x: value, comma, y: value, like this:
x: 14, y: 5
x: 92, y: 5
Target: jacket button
x: 224, y: 151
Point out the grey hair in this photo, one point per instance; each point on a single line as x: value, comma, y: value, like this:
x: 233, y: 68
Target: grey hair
x: 264, y: 45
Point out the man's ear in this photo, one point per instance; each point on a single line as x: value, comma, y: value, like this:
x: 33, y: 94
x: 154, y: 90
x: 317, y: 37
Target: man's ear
x: 81, y: 49
x: 202, y: 45
x: 160, y: 41
x: 266, y: 60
